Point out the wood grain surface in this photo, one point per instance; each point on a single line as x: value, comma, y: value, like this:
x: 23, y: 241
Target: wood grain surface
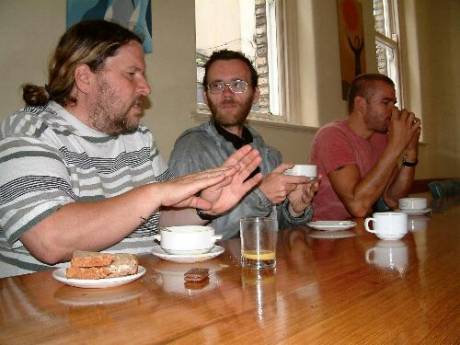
x: 355, y: 290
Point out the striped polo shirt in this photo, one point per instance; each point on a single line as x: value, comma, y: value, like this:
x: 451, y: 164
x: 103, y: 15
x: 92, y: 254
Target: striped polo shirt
x: 48, y: 158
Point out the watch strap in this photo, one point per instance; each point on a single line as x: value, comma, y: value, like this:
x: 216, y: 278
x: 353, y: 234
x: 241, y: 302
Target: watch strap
x: 409, y: 164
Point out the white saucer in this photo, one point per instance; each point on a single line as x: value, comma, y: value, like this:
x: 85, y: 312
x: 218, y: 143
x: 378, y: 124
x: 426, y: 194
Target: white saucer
x: 331, y: 234
x: 332, y: 225
x: 59, y: 275
x: 416, y: 212
x: 215, y: 251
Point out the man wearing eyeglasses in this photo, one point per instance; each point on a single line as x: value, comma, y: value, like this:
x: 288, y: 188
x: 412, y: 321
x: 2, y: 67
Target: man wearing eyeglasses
x: 230, y: 90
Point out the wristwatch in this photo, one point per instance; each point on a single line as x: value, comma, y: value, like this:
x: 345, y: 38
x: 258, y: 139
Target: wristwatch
x: 205, y: 216
x: 408, y: 163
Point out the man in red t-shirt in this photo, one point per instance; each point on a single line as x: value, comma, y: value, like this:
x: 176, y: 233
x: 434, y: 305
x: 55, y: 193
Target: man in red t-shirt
x: 359, y: 157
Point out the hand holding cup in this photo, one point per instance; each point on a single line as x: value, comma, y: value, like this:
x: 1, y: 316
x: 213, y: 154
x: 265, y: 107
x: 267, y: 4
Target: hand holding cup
x: 308, y: 170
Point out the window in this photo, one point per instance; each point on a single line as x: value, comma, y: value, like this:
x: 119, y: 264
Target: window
x: 248, y: 26
x: 387, y: 42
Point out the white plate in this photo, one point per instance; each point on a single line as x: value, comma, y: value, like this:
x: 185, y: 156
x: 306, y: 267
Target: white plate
x: 416, y: 212
x: 215, y: 251
x: 331, y: 234
x: 59, y: 275
x: 332, y: 225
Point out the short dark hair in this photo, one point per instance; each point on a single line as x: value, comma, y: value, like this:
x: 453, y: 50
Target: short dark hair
x: 87, y: 42
x: 226, y: 54
x: 364, y: 86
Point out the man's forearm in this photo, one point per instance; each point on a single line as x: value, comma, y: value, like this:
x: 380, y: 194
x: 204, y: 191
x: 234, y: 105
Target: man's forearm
x: 402, y: 183
x: 90, y: 225
x: 373, y: 185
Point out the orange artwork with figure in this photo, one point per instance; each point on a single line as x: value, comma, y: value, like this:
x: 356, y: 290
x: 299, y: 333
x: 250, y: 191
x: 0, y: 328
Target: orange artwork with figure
x: 351, y: 41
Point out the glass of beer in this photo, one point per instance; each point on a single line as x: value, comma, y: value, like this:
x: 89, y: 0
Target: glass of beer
x: 258, y: 242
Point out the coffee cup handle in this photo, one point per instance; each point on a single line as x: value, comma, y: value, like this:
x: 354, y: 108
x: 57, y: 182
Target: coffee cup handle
x: 217, y: 237
x: 368, y: 255
x: 366, y: 224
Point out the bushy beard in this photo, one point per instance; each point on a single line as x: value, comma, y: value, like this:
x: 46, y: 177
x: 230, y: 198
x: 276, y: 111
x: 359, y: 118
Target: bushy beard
x: 108, y: 115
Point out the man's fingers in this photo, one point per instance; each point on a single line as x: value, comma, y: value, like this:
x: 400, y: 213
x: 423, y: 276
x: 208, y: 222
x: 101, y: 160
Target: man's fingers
x: 225, y: 182
x: 211, y: 173
x: 395, y: 114
x: 410, y: 118
x: 248, y: 167
x: 251, y: 183
x: 282, y: 168
x: 297, y: 179
x: 196, y: 182
x: 416, y: 122
x: 290, y: 187
x: 197, y: 202
x: 238, y: 155
x: 249, y: 157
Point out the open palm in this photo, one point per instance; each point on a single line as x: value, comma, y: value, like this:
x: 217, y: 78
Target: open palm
x: 181, y: 192
x: 229, y: 192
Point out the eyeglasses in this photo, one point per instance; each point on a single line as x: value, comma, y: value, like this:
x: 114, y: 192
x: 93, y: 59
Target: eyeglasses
x: 236, y: 86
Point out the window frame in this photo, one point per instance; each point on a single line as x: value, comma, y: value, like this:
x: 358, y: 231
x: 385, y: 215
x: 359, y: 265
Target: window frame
x: 391, y: 40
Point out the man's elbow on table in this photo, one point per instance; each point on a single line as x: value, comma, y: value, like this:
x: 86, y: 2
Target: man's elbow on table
x: 391, y: 201
x: 358, y: 209
x: 43, y: 249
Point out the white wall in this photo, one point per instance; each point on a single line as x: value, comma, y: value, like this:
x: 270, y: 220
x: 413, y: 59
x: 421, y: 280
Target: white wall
x: 438, y: 31
x: 30, y: 29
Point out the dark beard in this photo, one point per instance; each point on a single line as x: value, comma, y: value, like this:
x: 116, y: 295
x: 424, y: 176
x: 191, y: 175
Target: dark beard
x: 117, y: 125
x: 109, y: 123
x: 234, y: 121
x: 121, y: 126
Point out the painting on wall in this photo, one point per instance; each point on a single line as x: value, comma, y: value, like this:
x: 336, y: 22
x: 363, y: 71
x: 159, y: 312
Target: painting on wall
x: 135, y: 15
x: 351, y: 42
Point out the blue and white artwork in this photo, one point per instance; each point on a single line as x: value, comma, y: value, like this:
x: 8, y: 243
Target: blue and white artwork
x: 135, y: 15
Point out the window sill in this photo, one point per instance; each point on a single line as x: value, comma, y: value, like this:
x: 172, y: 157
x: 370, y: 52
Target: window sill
x: 260, y: 121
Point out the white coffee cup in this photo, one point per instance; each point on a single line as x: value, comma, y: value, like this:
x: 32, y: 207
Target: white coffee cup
x: 187, y: 239
x: 387, y: 225
x: 308, y: 170
x: 412, y: 203
x: 389, y: 255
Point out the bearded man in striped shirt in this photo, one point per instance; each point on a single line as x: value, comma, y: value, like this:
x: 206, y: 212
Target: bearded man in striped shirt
x: 79, y: 172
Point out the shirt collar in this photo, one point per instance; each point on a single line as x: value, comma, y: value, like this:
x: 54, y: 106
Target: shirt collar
x: 237, y: 142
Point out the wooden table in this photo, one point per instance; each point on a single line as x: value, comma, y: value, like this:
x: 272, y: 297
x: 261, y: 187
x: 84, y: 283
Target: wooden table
x: 355, y: 290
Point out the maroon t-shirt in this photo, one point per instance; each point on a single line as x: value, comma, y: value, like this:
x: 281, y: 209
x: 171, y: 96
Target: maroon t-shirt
x: 336, y: 145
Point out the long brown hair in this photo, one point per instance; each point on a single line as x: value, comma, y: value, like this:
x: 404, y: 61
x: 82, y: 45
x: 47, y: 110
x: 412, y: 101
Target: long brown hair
x: 87, y: 42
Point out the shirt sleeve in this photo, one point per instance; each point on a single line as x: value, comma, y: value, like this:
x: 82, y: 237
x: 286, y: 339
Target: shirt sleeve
x: 331, y: 150
x: 288, y: 220
x: 159, y: 166
x: 34, y: 182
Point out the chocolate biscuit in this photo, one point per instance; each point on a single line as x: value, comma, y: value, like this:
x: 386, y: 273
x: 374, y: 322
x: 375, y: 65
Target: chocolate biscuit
x: 196, y: 275
x: 192, y: 285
